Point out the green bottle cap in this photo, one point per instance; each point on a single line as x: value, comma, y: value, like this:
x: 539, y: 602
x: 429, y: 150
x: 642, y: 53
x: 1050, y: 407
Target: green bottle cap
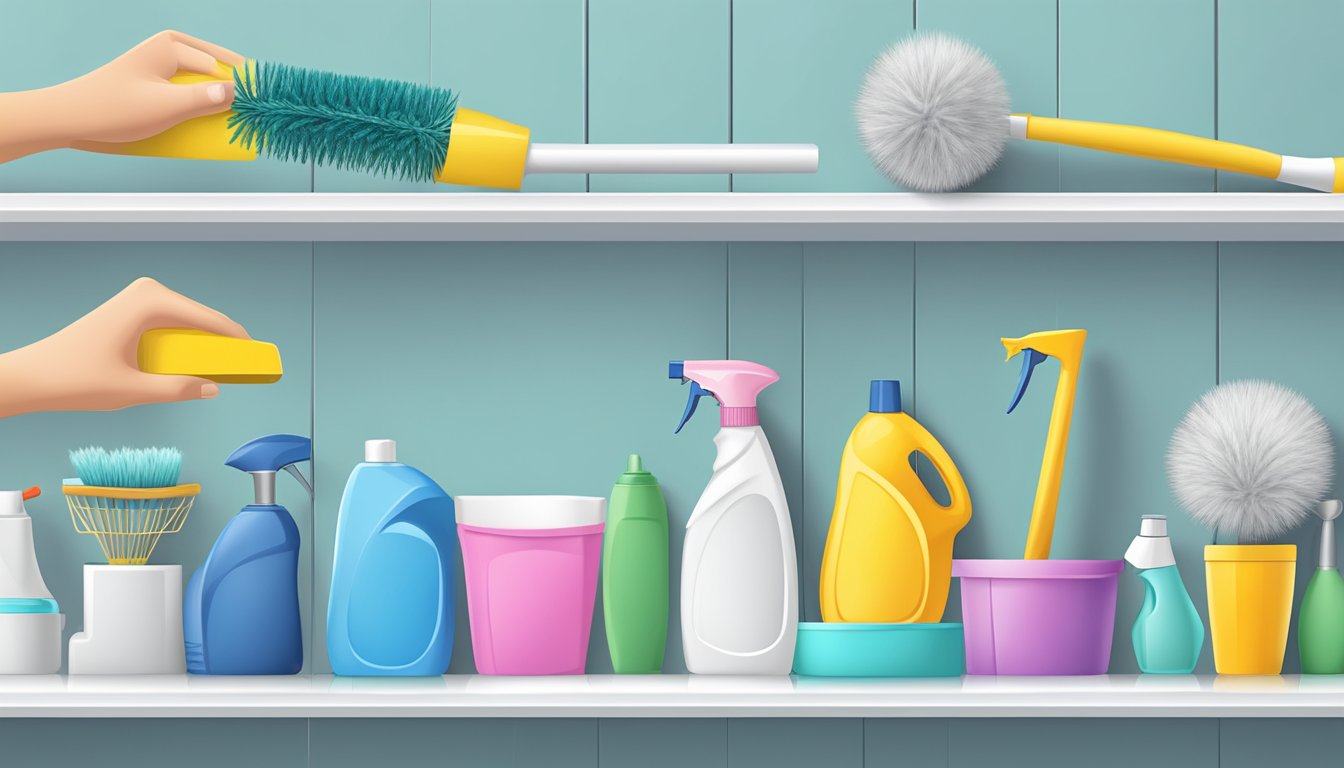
x: 635, y: 473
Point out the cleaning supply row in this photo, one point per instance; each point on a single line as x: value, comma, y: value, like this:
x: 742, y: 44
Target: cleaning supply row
x: 1250, y: 458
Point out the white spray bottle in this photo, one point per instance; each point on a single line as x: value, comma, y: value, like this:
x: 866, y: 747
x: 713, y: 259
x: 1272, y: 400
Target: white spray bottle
x: 739, y: 573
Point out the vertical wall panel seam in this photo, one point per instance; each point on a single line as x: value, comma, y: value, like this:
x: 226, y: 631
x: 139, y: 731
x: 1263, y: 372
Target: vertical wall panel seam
x: 312, y: 464
x: 801, y: 549
x: 1059, y: 165
x: 730, y: 84
x: 727, y: 301
x: 1217, y: 313
x: 587, y: 44
x: 914, y: 332
x: 1216, y: 174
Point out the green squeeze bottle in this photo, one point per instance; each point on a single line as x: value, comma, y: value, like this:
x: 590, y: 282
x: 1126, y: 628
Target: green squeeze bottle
x: 1320, y: 624
x: 634, y: 572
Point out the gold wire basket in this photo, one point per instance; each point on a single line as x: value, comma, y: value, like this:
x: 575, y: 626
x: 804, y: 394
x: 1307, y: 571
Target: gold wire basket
x: 127, y: 522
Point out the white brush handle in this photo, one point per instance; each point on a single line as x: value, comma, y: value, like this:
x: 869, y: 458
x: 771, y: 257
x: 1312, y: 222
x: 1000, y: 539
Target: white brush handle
x: 672, y: 158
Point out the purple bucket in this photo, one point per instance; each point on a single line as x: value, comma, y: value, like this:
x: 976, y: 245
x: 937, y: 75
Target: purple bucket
x: 1038, y: 617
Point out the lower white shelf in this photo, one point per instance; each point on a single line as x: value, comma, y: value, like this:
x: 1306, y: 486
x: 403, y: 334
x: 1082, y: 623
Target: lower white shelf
x: 173, y: 696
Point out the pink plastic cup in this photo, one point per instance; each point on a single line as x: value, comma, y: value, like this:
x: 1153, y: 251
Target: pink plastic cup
x: 1038, y: 617
x: 531, y: 565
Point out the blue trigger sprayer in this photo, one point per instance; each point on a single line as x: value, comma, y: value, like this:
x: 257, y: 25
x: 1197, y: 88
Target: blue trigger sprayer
x: 241, y: 614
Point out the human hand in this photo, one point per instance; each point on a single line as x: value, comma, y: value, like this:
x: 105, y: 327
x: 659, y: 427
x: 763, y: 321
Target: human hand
x: 91, y: 364
x: 127, y: 99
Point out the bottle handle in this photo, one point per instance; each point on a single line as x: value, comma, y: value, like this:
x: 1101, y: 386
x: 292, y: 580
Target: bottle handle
x: 959, y: 498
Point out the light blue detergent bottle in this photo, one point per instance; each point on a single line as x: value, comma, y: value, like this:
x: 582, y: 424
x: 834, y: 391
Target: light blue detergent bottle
x: 1168, y: 634
x: 392, y: 595
x: 241, y: 612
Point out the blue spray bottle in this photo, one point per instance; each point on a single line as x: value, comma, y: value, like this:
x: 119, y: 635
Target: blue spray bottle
x: 241, y: 614
x: 392, y: 595
x: 1168, y: 633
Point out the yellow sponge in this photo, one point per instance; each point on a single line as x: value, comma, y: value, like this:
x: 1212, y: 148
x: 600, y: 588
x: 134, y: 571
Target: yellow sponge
x: 224, y: 359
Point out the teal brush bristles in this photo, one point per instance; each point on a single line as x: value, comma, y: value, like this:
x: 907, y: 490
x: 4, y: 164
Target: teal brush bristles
x: 127, y: 467
x: 389, y: 127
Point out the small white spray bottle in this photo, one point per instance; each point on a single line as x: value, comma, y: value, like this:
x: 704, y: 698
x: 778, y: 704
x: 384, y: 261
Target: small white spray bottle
x: 30, y: 620
x: 739, y: 573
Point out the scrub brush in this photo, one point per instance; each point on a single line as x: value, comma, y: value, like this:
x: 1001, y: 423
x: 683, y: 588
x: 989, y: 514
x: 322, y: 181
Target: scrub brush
x: 128, y: 498
x: 1251, y: 458
x: 417, y: 132
x: 933, y: 115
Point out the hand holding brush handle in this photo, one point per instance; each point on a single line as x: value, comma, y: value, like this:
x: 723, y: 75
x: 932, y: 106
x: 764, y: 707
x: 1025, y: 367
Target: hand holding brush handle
x: 91, y: 364
x: 130, y: 98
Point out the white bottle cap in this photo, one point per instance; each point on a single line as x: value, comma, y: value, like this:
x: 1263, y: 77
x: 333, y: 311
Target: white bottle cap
x: 1151, y: 548
x: 11, y: 504
x: 380, y: 451
x: 1153, y: 525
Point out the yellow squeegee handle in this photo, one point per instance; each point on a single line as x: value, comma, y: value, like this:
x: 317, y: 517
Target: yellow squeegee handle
x: 1321, y: 173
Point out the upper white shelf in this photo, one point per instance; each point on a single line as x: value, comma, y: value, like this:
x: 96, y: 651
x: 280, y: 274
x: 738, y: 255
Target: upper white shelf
x: 672, y: 217
x: 669, y: 696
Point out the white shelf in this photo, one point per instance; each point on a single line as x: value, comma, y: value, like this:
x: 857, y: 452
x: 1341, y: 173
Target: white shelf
x: 669, y: 696
x: 671, y: 217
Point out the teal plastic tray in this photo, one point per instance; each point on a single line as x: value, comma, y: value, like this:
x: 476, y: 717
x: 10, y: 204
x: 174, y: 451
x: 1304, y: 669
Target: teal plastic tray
x: 879, y: 650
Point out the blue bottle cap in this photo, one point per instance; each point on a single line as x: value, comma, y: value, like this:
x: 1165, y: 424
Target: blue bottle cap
x: 884, y: 396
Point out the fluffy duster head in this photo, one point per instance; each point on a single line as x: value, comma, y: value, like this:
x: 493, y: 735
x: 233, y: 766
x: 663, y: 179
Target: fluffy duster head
x: 1252, y: 458
x: 933, y: 113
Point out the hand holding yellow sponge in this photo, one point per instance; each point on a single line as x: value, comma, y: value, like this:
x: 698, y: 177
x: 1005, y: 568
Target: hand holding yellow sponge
x: 222, y: 359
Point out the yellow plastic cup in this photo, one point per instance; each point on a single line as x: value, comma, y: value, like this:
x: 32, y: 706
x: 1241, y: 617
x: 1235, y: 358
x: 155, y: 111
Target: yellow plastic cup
x: 1250, y: 605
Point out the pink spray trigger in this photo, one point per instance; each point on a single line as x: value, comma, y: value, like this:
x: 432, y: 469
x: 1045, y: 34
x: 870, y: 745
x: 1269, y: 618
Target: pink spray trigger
x: 733, y: 383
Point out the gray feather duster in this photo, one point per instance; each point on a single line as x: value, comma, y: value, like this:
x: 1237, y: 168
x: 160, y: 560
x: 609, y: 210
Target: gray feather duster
x: 1251, y: 458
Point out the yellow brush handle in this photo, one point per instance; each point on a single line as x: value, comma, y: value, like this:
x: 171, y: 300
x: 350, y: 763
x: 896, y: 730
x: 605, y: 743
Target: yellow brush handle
x: 485, y: 151
x: 1317, y: 173
x: 200, y: 138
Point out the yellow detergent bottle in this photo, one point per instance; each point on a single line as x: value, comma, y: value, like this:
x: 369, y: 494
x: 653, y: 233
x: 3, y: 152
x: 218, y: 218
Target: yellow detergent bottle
x: 888, y: 554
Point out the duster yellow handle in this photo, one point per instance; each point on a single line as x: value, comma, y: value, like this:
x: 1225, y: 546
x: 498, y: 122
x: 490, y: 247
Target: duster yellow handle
x: 1317, y: 173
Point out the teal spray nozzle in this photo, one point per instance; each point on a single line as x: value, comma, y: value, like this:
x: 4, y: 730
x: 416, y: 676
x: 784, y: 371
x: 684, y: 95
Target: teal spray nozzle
x: 265, y: 456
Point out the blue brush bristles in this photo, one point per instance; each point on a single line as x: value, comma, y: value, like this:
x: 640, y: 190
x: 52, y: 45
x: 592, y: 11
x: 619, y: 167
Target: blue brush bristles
x: 127, y: 467
x: 390, y: 127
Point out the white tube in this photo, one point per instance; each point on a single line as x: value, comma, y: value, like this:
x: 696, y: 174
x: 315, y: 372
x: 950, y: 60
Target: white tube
x: 672, y: 158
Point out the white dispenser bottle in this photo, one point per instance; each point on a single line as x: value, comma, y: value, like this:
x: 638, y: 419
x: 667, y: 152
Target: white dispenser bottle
x: 739, y: 572
x: 30, y: 620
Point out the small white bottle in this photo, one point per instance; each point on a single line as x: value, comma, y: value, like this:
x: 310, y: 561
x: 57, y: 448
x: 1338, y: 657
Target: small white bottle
x: 30, y: 620
x: 739, y: 573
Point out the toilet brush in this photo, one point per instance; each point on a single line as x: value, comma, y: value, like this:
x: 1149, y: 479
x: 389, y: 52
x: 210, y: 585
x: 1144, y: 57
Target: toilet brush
x: 415, y: 132
x: 1251, y: 458
x: 934, y: 115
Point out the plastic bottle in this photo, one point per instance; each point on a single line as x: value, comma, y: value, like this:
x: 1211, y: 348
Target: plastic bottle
x: 30, y: 620
x: 634, y: 573
x: 888, y: 555
x: 739, y: 573
x: 1168, y: 633
x: 1320, y: 623
x: 241, y: 611
x: 392, y: 595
